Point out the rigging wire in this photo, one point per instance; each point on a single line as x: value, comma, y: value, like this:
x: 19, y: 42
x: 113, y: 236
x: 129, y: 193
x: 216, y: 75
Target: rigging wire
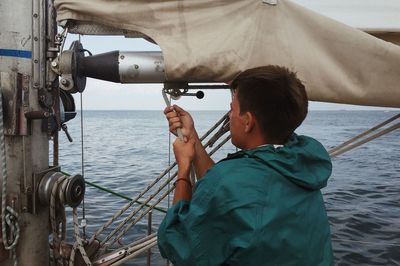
x: 171, y: 177
x: 169, y: 161
x: 160, y: 188
x: 366, y: 136
x: 127, y: 219
x: 216, y: 148
x: 83, y: 222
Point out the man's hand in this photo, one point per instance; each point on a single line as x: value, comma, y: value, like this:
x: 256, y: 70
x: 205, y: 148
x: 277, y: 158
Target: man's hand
x: 179, y: 118
x: 184, y: 152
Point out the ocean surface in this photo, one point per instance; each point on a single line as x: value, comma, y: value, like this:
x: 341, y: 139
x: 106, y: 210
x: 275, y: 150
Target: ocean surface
x: 125, y: 150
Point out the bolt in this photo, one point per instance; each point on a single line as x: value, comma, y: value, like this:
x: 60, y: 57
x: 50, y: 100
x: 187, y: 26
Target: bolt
x: 136, y: 66
x: 9, y: 131
x: 36, y: 39
x: 64, y: 82
x: 54, y: 64
x: 35, y: 15
x: 36, y: 85
x: 122, y: 57
x: 36, y: 61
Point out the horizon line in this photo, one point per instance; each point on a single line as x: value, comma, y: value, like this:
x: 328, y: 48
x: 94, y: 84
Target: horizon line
x: 213, y: 110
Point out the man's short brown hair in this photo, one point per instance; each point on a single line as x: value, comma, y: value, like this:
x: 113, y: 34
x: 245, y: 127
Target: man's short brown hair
x: 275, y: 96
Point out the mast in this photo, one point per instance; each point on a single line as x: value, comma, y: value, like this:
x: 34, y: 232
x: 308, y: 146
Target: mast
x: 27, y: 95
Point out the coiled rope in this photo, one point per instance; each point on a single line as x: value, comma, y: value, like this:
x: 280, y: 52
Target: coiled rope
x: 78, y: 242
x: 9, y: 217
x: 57, y: 238
x: 57, y: 200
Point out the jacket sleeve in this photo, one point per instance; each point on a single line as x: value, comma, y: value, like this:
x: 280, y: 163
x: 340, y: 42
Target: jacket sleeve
x: 174, y: 237
x: 192, y: 232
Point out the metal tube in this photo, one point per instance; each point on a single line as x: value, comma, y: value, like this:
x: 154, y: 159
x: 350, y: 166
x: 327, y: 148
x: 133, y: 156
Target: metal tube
x: 124, y: 67
x: 141, y: 67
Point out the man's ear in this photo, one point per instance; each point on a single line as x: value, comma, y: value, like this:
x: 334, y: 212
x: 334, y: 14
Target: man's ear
x: 249, y: 122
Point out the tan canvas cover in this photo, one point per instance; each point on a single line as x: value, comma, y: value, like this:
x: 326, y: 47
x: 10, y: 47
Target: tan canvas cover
x: 213, y: 40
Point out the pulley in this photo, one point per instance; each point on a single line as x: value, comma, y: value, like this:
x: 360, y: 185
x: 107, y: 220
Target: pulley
x: 70, y: 189
x: 66, y: 65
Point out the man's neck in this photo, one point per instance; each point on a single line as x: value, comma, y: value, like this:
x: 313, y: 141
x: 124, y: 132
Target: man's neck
x: 254, y: 142
x: 260, y: 141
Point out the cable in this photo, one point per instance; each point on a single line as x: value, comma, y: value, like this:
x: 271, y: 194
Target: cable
x: 83, y: 222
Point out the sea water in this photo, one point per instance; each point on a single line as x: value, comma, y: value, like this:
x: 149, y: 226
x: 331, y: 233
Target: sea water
x: 125, y: 150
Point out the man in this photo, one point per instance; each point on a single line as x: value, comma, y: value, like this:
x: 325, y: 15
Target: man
x: 261, y: 205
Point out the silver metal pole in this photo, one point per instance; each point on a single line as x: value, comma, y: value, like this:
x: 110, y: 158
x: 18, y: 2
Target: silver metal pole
x: 23, y: 45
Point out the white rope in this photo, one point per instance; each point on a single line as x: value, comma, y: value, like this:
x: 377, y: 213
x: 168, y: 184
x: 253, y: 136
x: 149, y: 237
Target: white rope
x: 9, y: 217
x: 127, y: 206
x: 78, y: 242
x: 142, y: 248
x: 222, y: 131
x: 53, y: 219
x: 57, y: 199
x: 365, y: 242
x: 160, y: 188
x: 143, y: 213
x: 163, y: 196
x: 153, y: 183
x: 365, y: 133
x: 349, y: 146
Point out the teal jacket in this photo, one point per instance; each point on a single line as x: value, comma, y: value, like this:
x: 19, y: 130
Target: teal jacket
x: 256, y: 207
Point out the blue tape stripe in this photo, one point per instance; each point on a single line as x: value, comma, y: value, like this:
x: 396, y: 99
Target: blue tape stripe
x: 15, y: 53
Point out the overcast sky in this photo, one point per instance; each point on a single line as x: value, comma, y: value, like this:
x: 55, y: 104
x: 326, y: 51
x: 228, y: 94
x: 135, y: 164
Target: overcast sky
x: 101, y: 95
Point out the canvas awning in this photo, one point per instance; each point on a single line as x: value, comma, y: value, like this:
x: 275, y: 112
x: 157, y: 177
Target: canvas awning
x: 213, y: 40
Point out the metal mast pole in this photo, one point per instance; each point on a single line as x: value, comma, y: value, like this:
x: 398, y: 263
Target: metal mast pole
x: 23, y: 66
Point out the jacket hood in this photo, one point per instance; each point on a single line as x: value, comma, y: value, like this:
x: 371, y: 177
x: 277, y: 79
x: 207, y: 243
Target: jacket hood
x: 302, y: 160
